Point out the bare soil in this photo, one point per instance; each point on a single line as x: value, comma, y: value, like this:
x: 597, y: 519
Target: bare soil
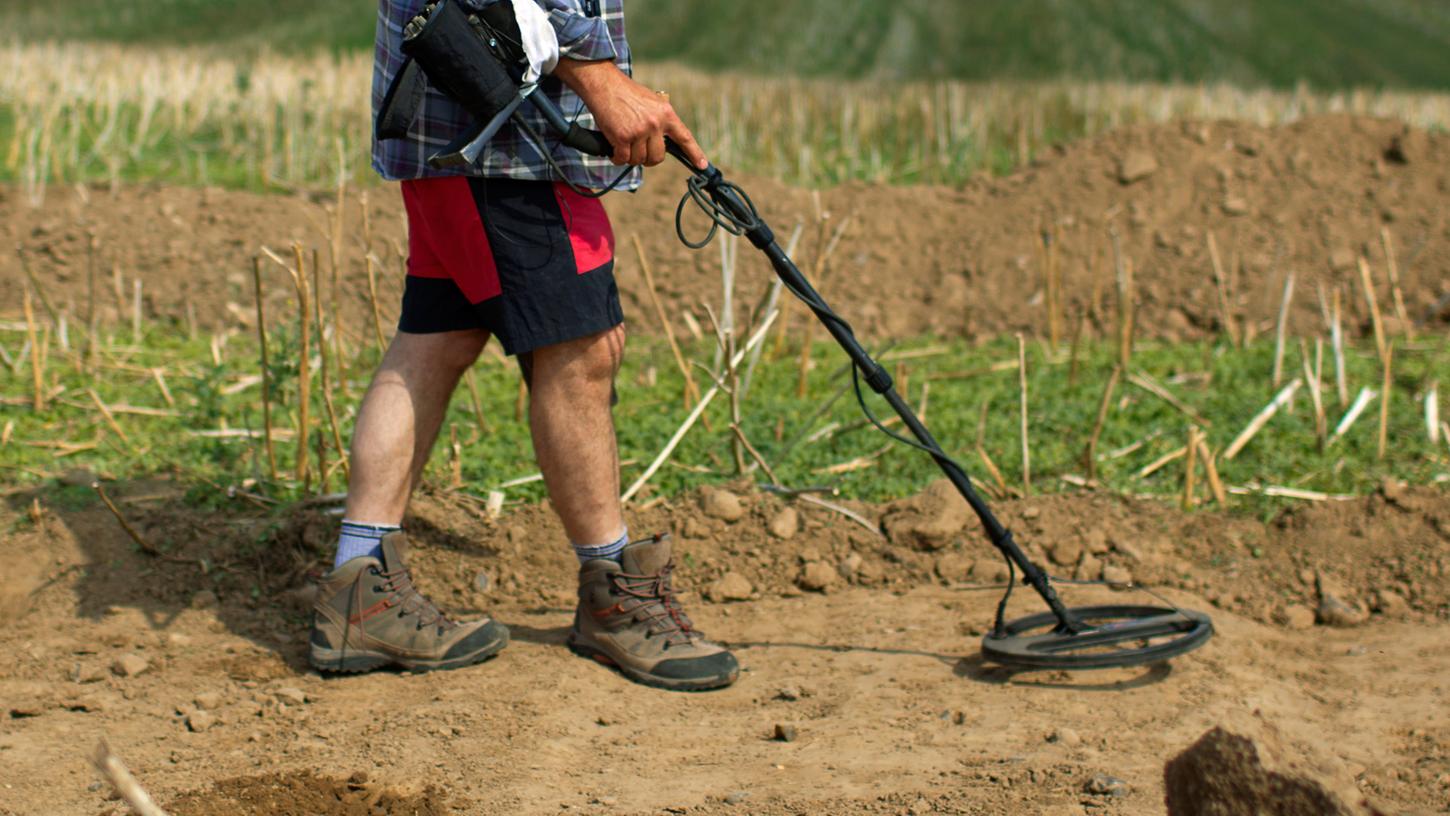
x: 880, y: 673
x: 1308, y: 198
x: 1331, y: 618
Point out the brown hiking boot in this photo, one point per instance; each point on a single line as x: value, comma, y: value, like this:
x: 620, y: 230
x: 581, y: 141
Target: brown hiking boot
x: 628, y: 618
x: 369, y: 615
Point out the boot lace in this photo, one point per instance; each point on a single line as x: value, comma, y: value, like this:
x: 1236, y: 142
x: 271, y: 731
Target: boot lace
x: 413, y: 602
x: 658, y: 604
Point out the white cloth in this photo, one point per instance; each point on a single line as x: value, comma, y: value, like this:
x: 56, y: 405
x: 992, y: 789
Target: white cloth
x: 540, y: 40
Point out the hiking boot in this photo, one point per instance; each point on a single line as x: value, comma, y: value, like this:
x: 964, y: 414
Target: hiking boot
x: 629, y: 618
x: 368, y: 615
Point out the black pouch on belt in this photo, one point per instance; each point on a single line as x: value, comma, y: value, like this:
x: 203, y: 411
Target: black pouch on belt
x: 465, y: 62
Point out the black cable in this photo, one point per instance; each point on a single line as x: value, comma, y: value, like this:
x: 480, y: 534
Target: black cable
x: 548, y: 155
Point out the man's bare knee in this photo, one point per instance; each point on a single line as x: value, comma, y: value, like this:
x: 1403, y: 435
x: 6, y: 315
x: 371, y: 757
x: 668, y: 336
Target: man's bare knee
x: 592, y: 359
x: 451, y: 352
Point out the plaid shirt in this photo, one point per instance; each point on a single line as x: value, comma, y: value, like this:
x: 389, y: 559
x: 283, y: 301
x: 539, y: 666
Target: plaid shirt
x: 588, y: 30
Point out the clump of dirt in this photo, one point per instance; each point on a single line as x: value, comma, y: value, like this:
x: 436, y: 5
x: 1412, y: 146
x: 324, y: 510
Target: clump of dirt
x: 1310, y: 197
x: 1222, y: 774
x: 307, y: 794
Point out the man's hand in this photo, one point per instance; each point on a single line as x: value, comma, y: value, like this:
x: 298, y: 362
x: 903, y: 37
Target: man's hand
x: 633, y: 118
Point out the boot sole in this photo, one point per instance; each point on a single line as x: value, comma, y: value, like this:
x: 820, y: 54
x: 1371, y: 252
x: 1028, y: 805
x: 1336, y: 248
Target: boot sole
x: 342, y: 661
x: 652, y: 680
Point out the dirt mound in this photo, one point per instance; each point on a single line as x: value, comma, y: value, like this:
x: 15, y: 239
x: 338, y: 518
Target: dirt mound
x: 1307, y: 198
x: 193, y: 663
x: 1222, y: 775
x: 307, y: 794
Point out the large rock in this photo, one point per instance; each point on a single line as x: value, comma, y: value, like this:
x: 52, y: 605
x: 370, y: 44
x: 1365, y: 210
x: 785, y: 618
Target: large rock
x: 1223, y: 775
x: 930, y: 520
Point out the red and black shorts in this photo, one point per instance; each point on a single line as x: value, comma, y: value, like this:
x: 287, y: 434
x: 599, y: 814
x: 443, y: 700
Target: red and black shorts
x: 531, y: 262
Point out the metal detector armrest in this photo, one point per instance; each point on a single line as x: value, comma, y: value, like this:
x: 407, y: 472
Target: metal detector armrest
x: 465, y: 150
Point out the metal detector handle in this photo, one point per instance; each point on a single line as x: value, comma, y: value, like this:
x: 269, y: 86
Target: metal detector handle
x: 592, y: 142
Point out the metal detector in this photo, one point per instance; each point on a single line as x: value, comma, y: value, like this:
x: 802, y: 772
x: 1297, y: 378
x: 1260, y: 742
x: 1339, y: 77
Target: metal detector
x: 1091, y: 637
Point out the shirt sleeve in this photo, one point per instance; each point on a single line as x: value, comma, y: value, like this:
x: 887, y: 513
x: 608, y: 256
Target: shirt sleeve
x: 581, y: 37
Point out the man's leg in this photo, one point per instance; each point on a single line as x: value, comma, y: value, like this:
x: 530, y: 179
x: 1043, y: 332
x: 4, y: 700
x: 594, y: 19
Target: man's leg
x: 368, y: 613
x: 573, y: 430
x: 400, y: 417
x: 628, y: 614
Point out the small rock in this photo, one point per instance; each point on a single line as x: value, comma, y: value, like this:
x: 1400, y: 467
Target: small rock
x: 732, y: 586
x: 91, y: 673
x: 1128, y: 548
x: 129, y: 665
x: 1393, y: 489
x: 694, y: 528
x: 788, y: 693
x: 1065, y: 736
x: 816, y: 577
x: 849, y: 566
x: 785, y: 524
x: 292, y: 696
x: 1095, y: 541
x: 1090, y: 568
x: 1333, y: 609
x: 209, y: 700
x: 920, y: 807
x: 736, y: 797
x: 178, y: 640
x: 1065, y: 552
x: 1391, y: 604
x: 205, y: 599
x: 1117, y: 576
x: 1297, y: 617
x: 1104, y: 785
x: 990, y: 570
x: 199, y: 721
x: 869, y: 572
x: 1136, y: 165
x: 954, y: 568
x: 785, y: 732
x: 723, y: 505
x: 1234, y: 205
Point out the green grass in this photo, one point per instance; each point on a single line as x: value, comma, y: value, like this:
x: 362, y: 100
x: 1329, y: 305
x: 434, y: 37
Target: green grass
x: 1227, y: 386
x: 1326, y: 43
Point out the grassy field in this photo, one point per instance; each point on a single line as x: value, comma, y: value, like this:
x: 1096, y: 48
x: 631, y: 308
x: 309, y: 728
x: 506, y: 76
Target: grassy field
x: 192, y: 408
x: 73, y: 112
x: 1327, y: 43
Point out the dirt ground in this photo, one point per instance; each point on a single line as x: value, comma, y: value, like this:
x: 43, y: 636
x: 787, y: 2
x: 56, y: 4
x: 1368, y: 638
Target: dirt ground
x: 1331, y: 618
x: 880, y: 673
x: 1307, y: 198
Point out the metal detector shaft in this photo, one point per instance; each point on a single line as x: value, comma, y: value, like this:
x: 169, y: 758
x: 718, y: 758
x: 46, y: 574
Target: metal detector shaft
x: 880, y: 381
x: 763, y: 238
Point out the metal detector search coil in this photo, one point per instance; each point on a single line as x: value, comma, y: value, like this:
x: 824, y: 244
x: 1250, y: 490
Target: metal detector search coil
x: 471, y: 63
